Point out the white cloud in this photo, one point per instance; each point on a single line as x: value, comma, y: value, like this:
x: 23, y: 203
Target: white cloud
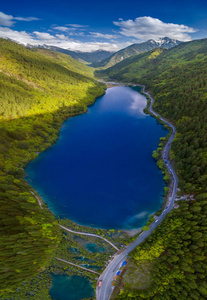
x: 6, y: 20
x: 145, y: 28
x: 43, y: 35
x: 103, y: 36
x: 9, y: 20
x: 77, y: 25
x: 28, y: 19
x: 19, y: 36
x: 76, y: 31
x: 59, y: 40
x: 61, y: 28
x: 61, y: 36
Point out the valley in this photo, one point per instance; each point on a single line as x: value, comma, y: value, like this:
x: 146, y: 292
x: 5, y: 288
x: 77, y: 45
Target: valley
x: 40, y: 89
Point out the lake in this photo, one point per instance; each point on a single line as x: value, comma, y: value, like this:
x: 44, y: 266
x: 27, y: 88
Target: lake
x: 70, y: 288
x: 100, y: 172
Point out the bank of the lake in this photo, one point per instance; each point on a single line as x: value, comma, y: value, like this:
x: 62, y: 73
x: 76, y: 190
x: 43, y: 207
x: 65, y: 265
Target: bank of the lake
x: 100, y: 172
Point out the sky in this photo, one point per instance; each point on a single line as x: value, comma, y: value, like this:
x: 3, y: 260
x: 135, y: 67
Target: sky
x: 109, y: 25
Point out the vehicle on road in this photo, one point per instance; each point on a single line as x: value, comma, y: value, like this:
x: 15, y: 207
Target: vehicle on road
x: 100, y: 283
x: 124, y: 263
x: 156, y: 221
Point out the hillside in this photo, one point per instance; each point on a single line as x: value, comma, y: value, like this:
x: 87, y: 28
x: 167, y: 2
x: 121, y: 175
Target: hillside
x: 134, y: 50
x: 38, y: 91
x: 66, y: 61
x: 127, y: 69
x: 171, y: 264
x: 85, y: 57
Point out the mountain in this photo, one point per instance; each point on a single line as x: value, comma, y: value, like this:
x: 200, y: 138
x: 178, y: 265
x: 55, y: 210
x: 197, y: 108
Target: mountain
x: 129, y: 68
x: 177, y: 250
x: 39, y: 89
x: 85, y: 57
x: 136, y: 49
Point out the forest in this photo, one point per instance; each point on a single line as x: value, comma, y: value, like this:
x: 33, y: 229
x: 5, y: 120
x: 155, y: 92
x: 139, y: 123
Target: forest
x: 172, y: 261
x: 39, y: 89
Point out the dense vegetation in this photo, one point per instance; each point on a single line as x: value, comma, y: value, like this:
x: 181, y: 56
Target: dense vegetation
x: 128, y: 69
x: 38, y: 91
x: 173, y: 259
x: 134, y: 49
x: 84, y: 251
x: 171, y: 263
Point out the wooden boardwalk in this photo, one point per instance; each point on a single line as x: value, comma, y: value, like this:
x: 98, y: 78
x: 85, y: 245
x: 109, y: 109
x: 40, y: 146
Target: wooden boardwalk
x: 77, y: 266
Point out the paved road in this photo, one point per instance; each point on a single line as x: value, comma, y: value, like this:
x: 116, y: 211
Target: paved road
x: 104, y: 291
x: 89, y: 234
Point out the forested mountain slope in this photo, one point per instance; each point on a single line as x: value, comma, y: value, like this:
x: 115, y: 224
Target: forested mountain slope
x: 172, y: 263
x: 134, y: 50
x: 37, y: 93
x: 66, y: 61
x: 85, y: 57
x: 127, y: 69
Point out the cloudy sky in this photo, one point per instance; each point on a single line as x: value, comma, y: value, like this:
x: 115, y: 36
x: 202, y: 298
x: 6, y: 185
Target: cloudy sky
x: 110, y: 25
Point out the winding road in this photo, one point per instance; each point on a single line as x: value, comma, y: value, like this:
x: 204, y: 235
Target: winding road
x: 89, y: 234
x: 105, y: 290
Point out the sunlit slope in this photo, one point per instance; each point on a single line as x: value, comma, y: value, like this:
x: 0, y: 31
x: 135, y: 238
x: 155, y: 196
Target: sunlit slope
x: 37, y: 93
x: 123, y: 54
x: 127, y: 69
x: 66, y: 61
x: 32, y: 83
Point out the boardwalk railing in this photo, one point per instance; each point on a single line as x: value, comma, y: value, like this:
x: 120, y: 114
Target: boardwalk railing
x: 77, y: 266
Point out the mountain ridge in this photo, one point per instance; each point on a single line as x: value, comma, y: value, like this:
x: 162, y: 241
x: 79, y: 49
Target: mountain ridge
x: 84, y: 57
x: 135, y: 49
x: 105, y: 59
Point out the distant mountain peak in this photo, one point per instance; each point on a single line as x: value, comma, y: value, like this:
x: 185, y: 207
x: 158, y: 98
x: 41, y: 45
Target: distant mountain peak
x: 164, y: 41
x: 85, y: 57
x: 134, y: 49
x: 151, y: 41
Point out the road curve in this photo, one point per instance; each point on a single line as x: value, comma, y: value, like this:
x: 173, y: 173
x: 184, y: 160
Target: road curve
x: 104, y: 291
x: 89, y: 234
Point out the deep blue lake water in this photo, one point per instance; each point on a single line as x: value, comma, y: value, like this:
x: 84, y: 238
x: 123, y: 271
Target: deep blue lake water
x: 100, y: 172
x: 70, y: 288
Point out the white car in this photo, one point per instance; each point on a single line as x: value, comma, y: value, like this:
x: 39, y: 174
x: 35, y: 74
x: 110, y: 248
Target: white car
x: 156, y: 221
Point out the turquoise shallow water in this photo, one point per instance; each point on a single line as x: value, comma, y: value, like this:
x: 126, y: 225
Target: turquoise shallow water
x: 100, y: 172
x: 93, y: 248
x: 70, y: 288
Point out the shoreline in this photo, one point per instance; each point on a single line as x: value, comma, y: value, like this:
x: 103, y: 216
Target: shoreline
x: 104, y: 292
x: 130, y: 232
